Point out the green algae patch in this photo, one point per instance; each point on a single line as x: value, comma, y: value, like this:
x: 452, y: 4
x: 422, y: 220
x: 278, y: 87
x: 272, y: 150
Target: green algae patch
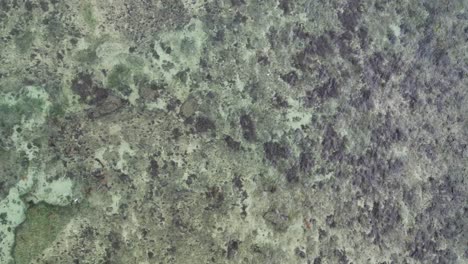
x: 88, y: 15
x: 87, y: 55
x: 13, y: 114
x: 24, y: 41
x: 120, y: 78
x: 42, y: 225
x: 57, y: 110
x: 12, y: 214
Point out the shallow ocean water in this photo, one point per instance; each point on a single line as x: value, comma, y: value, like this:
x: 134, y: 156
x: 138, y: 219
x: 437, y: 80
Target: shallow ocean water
x: 233, y: 131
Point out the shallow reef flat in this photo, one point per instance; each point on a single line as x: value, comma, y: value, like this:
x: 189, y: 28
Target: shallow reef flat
x: 233, y: 131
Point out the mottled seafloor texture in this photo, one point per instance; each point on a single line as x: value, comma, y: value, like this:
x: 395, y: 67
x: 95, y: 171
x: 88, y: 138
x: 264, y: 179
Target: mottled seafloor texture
x: 233, y: 131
